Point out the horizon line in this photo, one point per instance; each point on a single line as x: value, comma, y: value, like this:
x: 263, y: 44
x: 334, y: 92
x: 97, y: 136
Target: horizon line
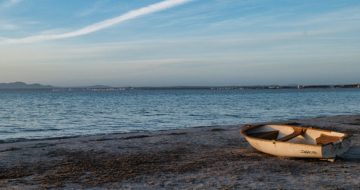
x: 182, y: 86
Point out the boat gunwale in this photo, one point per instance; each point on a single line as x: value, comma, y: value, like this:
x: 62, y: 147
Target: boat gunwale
x: 246, y: 128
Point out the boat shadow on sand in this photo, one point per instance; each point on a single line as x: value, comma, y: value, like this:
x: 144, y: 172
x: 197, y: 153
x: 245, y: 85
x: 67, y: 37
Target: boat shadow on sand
x: 352, y: 155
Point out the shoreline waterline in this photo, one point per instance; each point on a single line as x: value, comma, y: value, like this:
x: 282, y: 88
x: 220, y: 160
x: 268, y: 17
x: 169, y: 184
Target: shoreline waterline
x: 4, y: 141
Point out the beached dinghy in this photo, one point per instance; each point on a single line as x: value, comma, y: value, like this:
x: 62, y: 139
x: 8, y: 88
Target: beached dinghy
x: 296, y: 141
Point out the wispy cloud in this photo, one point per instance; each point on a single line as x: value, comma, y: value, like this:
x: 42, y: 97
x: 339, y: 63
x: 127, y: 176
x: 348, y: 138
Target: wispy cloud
x: 92, y: 9
x: 8, y: 26
x: 9, y: 3
x: 100, y: 25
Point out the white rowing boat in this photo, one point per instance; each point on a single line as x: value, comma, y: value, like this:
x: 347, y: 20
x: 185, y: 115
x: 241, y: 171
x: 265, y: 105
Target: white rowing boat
x: 296, y: 141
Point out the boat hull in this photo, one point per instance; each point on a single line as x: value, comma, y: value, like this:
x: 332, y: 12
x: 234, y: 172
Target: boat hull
x: 285, y: 149
x: 305, y: 144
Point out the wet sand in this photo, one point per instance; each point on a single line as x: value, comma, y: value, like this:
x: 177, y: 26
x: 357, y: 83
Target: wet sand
x: 213, y: 157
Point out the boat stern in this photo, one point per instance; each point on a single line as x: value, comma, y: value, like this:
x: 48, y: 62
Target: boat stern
x: 333, y: 150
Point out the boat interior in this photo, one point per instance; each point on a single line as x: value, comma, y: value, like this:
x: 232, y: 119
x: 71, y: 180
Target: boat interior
x: 294, y: 134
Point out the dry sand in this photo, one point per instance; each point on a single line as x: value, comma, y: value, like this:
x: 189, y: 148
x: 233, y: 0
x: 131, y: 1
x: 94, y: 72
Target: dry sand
x: 196, y: 158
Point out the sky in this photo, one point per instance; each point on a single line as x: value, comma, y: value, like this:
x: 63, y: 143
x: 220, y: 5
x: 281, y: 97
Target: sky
x: 180, y: 42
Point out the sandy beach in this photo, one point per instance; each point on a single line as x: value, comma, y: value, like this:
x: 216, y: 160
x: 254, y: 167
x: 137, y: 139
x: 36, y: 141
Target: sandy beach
x: 214, y: 157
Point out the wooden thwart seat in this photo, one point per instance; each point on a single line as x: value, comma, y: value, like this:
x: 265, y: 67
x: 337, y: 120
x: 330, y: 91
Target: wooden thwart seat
x: 297, y: 132
x: 326, y: 139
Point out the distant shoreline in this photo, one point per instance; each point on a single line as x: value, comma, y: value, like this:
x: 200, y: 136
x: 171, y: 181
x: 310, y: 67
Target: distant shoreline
x: 25, y: 86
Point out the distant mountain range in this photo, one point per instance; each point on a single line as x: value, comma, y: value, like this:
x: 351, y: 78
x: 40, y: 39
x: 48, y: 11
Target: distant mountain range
x: 25, y: 86
x: 22, y: 85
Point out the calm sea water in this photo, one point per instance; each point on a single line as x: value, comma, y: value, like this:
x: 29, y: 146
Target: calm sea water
x: 42, y: 114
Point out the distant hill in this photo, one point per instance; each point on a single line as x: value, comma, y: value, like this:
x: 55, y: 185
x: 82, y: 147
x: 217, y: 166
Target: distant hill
x: 98, y: 86
x: 22, y: 85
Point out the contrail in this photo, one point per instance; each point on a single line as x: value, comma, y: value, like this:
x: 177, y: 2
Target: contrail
x: 100, y: 25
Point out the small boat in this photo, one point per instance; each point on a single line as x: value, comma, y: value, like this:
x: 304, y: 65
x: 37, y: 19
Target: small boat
x: 297, y: 141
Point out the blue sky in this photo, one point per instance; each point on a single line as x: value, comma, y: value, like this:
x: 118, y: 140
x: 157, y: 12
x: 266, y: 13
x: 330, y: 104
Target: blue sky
x: 179, y: 42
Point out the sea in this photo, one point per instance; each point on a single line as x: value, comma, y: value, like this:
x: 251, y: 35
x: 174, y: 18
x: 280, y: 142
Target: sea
x: 39, y: 114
